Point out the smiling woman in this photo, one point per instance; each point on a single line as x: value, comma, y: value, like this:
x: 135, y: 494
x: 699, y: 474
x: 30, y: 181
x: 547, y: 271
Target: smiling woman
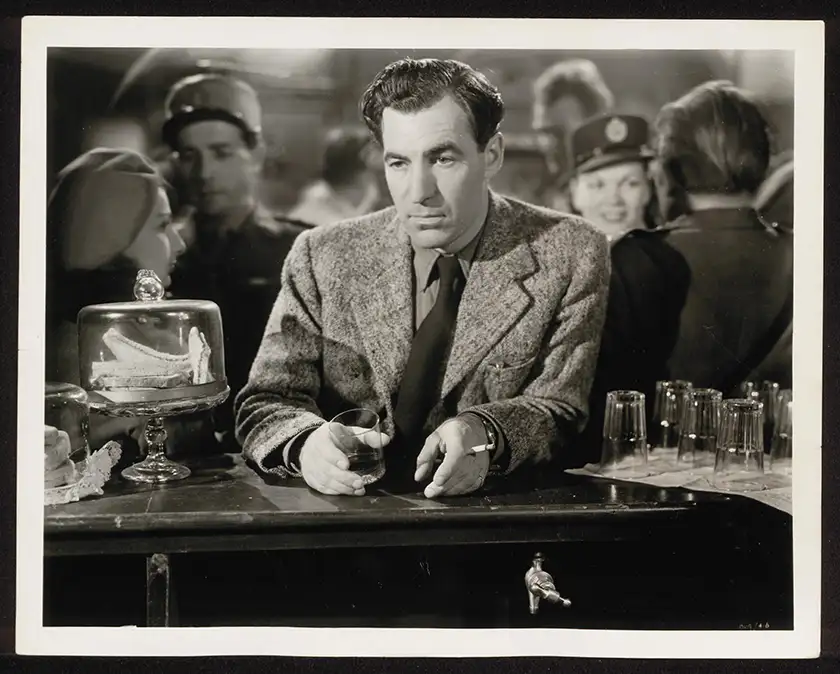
x: 610, y: 186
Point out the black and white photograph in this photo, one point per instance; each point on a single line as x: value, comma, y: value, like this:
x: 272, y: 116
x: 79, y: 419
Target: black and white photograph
x: 382, y: 337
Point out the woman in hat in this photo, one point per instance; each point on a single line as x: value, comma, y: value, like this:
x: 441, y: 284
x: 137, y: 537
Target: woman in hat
x: 609, y: 183
x: 649, y: 280
x: 107, y: 217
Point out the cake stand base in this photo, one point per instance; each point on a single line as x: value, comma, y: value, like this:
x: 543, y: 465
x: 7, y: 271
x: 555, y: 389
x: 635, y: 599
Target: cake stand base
x: 156, y: 469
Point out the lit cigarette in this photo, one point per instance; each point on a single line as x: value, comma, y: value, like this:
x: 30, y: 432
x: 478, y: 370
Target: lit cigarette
x: 479, y: 448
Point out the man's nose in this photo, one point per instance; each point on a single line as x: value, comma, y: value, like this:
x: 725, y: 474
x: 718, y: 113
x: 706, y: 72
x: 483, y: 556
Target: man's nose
x: 202, y: 168
x: 423, y: 185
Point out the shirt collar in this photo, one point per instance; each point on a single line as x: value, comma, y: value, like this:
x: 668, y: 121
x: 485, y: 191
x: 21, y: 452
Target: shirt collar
x: 425, y: 258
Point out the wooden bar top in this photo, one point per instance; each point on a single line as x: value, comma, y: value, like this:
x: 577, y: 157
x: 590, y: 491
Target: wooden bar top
x: 225, y: 504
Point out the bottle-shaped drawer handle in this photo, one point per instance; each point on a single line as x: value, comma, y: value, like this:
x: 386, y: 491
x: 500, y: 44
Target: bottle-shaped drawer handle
x: 540, y: 585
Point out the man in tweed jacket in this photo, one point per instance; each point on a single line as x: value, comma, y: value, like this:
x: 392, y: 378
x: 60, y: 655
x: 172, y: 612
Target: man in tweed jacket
x: 528, y: 328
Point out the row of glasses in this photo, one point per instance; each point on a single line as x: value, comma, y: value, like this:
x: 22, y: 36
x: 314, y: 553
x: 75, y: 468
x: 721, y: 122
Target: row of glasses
x: 703, y: 428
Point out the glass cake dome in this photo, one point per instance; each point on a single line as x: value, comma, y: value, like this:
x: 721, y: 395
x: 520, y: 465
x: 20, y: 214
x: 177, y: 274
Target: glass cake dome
x: 145, y: 355
x: 152, y: 358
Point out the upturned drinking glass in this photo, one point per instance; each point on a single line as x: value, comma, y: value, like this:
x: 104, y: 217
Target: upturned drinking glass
x: 668, y: 407
x: 699, y: 429
x: 739, y: 460
x: 624, y: 446
x: 781, y: 452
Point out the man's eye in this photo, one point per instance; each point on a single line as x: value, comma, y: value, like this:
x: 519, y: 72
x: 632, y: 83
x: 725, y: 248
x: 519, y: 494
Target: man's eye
x: 396, y: 164
x: 446, y: 161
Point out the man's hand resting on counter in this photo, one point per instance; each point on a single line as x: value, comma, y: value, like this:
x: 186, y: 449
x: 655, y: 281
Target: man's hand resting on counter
x: 324, y: 466
x: 462, y: 471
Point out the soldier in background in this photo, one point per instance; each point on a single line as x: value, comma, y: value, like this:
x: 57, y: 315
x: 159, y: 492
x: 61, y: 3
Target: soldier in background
x: 565, y: 95
x: 236, y: 247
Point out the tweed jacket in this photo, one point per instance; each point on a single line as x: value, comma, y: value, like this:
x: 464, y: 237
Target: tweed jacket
x: 524, y: 350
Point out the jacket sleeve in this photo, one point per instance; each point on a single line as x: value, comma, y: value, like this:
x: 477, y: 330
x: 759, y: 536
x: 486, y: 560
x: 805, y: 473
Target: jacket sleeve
x: 552, y: 406
x: 279, y: 400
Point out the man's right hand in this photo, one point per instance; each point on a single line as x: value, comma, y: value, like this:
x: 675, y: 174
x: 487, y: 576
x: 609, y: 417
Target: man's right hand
x: 324, y: 466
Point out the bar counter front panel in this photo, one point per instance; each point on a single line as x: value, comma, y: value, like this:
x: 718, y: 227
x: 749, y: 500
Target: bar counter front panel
x: 228, y: 547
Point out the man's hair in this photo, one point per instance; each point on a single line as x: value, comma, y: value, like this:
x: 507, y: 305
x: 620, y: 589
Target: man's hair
x: 576, y: 78
x: 344, y: 155
x: 714, y: 139
x: 411, y: 85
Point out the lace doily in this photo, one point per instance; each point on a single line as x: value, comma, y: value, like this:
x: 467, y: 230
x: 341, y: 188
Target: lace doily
x: 95, y: 472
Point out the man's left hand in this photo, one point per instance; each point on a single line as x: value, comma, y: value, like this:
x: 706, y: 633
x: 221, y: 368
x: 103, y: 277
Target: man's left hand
x: 462, y: 470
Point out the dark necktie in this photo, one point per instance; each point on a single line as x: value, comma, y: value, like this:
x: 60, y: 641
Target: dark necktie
x: 421, y: 383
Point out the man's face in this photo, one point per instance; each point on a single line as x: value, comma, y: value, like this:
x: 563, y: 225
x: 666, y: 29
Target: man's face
x: 219, y: 169
x: 436, y: 174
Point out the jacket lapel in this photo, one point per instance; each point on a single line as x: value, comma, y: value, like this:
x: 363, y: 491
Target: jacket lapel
x: 494, y: 298
x: 383, y: 304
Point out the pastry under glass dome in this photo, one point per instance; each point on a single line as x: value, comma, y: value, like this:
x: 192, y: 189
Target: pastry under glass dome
x: 153, y: 358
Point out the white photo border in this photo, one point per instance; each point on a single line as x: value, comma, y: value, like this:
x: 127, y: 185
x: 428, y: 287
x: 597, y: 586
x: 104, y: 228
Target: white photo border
x: 805, y: 38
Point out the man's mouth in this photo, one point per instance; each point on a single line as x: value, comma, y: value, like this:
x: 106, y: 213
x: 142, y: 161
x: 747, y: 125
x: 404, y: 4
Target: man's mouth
x: 427, y: 218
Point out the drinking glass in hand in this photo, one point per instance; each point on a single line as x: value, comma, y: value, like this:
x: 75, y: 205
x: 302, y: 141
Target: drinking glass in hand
x: 699, y: 428
x: 781, y: 453
x: 624, y: 448
x: 356, y: 433
x: 739, y: 461
x: 668, y: 409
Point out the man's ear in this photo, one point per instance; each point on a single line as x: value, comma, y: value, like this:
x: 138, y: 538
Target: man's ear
x: 494, y: 155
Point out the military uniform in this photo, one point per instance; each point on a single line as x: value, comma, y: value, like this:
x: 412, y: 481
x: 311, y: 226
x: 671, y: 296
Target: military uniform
x: 239, y: 269
x: 241, y: 272
x: 649, y: 283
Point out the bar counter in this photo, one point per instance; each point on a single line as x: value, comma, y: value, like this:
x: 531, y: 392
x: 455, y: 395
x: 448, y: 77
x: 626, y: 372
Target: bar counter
x: 227, y: 546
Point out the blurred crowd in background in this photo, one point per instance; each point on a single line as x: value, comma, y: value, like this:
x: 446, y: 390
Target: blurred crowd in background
x: 284, y: 148
x: 317, y: 160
